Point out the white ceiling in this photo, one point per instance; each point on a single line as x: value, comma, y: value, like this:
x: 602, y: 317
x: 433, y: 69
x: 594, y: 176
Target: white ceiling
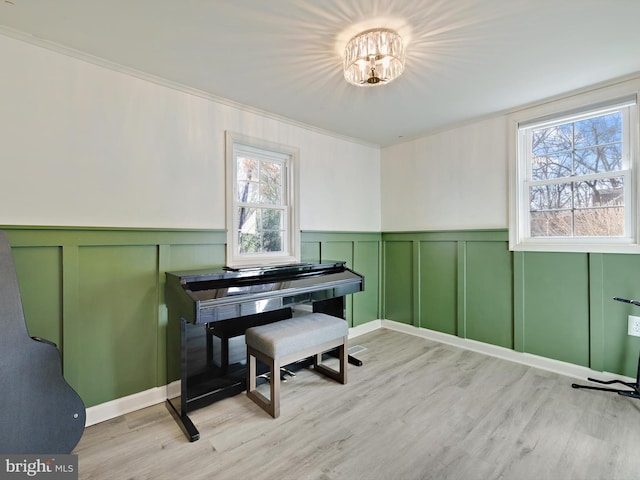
x: 465, y: 58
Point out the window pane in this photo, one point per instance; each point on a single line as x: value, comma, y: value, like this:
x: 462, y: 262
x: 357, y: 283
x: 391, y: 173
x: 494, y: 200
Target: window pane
x: 556, y: 223
x: 271, y: 172
x: 248, y: 192
x: 270, y: 194
x: 600, y: 130
x: 260, y: 230
x: 545, y: 167
x: 271, y: 219
x: 599, y: 222
x: 249, y: 243
x: 598, y: 159
x: 550, y: 197
x: 271, y: 183
x: 601, y: 192
x: 247, y: 220
x: 551, y: 140
x: 247, y: 169
x: 272, y: 241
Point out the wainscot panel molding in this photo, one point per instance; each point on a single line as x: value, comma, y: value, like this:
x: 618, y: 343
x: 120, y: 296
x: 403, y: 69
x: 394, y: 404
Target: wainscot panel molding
x: 98, y: 293
x: 455, y: 282
x: 363, y: 253
x: 552, y: 305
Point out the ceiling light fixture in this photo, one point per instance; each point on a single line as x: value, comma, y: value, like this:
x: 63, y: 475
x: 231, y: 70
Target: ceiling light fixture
x: 374, y: 57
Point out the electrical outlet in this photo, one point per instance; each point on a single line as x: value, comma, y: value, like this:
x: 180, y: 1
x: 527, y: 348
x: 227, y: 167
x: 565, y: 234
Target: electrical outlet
x: 634, y: 326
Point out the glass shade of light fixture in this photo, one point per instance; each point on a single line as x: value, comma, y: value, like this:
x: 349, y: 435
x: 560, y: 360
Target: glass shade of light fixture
x: 374, y: 57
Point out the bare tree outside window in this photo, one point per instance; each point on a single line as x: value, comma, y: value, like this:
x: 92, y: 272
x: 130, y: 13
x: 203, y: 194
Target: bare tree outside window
x: 576, y: 189
x: 260, y: 205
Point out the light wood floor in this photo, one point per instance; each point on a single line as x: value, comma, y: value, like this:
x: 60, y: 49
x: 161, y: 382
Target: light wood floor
x: 416, y: 410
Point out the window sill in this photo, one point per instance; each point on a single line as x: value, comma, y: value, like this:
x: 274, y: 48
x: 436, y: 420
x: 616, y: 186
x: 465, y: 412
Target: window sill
x: 623, y: 247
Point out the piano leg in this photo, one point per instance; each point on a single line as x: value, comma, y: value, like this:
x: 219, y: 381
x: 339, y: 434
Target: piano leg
x: 184, y: 422
x: 354, y: 361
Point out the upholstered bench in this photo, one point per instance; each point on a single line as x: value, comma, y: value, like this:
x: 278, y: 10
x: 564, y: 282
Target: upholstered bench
x: 287, y: 341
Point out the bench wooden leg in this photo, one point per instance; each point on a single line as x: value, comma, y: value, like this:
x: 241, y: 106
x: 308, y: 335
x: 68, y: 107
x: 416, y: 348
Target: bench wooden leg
x: 338, y: 375
x: 275, y: 389
x: 270, y: 405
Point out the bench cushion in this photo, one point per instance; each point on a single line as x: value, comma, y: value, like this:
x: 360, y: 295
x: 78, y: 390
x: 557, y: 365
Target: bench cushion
x: 286, y: 337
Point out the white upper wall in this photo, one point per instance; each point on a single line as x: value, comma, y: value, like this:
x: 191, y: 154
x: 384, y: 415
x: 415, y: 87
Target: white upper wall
x: 85, y: 145
x: 451, y: 180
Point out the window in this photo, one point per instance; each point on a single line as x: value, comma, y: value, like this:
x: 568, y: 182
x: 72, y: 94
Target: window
x: 262, y: 225
x: 574, y: 185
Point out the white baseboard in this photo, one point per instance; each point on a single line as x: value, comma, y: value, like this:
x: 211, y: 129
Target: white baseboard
x: 153, y: 396
x: 535, y: 361
x: 131, y: 403
x: 364, y: 328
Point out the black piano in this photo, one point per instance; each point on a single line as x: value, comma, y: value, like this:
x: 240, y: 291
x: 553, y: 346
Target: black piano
x: 209, y: 311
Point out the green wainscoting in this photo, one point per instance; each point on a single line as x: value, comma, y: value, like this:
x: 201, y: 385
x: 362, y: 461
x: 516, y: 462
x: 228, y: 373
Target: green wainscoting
x: 613, y: 348
x: 438, y: 277
x: 98, y: 293
x: 398, y: 268
x: 458, y: 283
x: 362, y: 252
x: 488, y: 292
x: 554, y: 305
x: 555, y: 320
x: 39, y: 272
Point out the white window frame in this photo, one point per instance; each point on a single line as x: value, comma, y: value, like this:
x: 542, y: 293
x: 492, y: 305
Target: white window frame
x: 289, y: 156
x: 625, y: 93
